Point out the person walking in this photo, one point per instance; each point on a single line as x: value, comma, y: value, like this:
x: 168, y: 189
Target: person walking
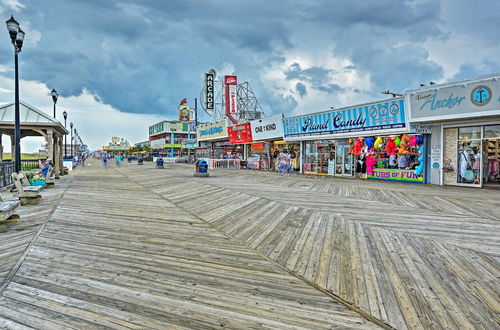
x: 105, y: 161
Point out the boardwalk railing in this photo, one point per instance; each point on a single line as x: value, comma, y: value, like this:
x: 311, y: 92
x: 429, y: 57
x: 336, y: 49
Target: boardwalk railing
x: 6, y: 170
x: 234, y: 164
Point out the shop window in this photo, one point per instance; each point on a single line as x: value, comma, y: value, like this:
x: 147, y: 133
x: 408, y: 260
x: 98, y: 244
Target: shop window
x: 318, y: 155
x: 469, y: 161
x: 492, y: 132
x: 469, y: 133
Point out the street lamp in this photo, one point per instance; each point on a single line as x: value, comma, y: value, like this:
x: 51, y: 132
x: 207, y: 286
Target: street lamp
x: 65, y: 115
x: 55, y: 95
x: 76, y: 144
x: 17, y: 38
x: 71, y: 131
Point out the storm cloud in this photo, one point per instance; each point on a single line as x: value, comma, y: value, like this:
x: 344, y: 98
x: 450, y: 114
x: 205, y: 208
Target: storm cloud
x: 145, y: 56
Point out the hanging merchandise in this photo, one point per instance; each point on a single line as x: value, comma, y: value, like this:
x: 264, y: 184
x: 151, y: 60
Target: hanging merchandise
x: 378, y: 142
x: 391, y: 147
x: 413, y: 141
x: 420, y: 168
x: 371, y: 160
x: 369, y: 142
x: 358, y: 146
x: 397, y: 141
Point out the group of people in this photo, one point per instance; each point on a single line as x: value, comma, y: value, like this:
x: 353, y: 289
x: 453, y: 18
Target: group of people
x: 106, y: 157
x: 285, y: 161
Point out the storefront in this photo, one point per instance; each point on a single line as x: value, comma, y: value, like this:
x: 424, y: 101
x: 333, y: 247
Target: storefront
x: 368, y: 141
x: 465, y: 121
x: 267, y: 135
x: 168, y: 137
x: 213, y: 142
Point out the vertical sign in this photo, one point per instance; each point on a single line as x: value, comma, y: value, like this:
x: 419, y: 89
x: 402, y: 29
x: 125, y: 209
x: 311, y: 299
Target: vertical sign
x: 209, y: 86
x: 230, y: 83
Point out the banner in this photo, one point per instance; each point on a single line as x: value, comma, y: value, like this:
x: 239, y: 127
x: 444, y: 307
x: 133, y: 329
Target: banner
x: 231, y: 97
x: 396, y: 175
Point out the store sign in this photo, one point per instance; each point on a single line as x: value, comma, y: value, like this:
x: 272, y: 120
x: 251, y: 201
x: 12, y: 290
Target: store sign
x: 396, y: 175
x: 241, y: 133
x: 267, y: 128
x: 469, y: 99
x: 420, y: 129
x: 377, y: 116
x: 209, y: 87
x: 435, y: 157
x: 189, y: 144
x: 157, y: 144
x: 157, y: 128
x: 211, y: 131
x: 231, y: 97
x: 169, y: 127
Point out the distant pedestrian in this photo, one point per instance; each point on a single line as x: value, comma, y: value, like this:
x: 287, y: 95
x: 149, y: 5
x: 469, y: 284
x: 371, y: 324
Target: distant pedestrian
x: 105, y: 162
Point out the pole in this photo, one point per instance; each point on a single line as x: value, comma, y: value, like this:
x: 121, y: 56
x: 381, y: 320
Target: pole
x: 196, y: 112
x: 17, y: 128
x: 72, y: 143
x: 65, y: 144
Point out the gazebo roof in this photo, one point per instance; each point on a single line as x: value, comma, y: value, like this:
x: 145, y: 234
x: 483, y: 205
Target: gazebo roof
x: 29, y: 116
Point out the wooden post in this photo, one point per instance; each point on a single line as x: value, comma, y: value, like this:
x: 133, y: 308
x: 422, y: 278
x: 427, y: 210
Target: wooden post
x: 1, y: 148
x: 12, y: 148
x: 57, y: 164
x: 50, y: 141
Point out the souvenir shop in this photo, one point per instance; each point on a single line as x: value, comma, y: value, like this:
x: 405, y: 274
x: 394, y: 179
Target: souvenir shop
x: 369, y: 141
x: 465, y: 120
x: 268, y: 142
x: 213, y: 142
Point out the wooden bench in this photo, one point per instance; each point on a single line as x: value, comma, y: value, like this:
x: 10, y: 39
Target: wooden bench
x: 50, y: 177
x: 27, y: 194
x: 8, y: 213
x: 26, y: 183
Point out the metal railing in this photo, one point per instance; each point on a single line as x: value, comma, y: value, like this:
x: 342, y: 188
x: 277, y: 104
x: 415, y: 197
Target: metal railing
x: 234, y: 164
x: 31, y: 164
x: 6, y: 170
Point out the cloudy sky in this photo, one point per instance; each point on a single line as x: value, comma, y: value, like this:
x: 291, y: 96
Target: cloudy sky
x: 121, y: 65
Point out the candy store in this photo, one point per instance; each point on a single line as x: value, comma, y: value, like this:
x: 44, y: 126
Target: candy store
x: 369, y: 141
x: 464, y: 118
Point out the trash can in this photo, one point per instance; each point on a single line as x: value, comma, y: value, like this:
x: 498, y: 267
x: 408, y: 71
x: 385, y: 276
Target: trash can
x: 129, y: 158
x: 159, y: 162
x: 140, y: 161
x: 201, y: 168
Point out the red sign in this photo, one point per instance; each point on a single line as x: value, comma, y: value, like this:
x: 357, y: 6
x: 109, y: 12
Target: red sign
x: 230, y: 80
x: 241, y: 133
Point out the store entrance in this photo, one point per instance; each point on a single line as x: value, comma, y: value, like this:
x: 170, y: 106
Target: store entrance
x: 343, y: 160
x: 491, y: 163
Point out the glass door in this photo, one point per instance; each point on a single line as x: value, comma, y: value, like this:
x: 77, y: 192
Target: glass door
x: 347, y: 161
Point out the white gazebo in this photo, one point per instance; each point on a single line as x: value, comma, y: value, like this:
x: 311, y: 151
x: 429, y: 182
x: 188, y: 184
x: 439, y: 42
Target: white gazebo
x: 33, y: 123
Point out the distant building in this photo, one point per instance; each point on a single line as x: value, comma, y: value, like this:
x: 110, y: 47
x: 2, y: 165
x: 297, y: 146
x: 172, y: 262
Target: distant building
x: 172, y: 137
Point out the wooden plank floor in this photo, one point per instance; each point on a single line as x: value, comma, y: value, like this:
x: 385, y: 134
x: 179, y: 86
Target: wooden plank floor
x: 114, y: 253
x: 411, y: 256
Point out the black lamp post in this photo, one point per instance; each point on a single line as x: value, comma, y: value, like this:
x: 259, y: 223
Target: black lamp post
x: 65, y: 115
x: 76, y: 144
x: 17, y: 37
x: 71, y: 131
x: 54, y: 94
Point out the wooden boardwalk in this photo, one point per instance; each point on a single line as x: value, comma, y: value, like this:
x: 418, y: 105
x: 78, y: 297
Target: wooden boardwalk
x: 114, y: 254
x: 138, y: 247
